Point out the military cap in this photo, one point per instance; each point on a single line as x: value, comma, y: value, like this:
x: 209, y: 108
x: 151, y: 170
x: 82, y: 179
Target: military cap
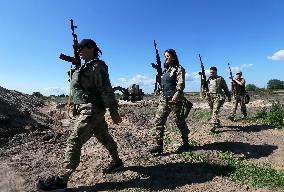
x: 89, y: 43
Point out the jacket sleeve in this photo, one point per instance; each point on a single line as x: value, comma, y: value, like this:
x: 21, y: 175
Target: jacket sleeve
x: 97, y: 84
x: 180, y: 78
x: 107, y: 92
x: 180, y: 82
x: 243, y: 82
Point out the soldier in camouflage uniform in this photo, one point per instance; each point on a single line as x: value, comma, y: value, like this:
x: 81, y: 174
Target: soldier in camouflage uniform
x: 216, y: 96
x: 173, y: 83
x: 92, y: 94
x: 239, y: 91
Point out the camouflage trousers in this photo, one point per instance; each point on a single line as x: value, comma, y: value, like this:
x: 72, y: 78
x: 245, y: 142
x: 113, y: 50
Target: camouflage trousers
x: 239, y: 100
x: 163, y: 111
x: 215, y: 103
x: 89, y: 122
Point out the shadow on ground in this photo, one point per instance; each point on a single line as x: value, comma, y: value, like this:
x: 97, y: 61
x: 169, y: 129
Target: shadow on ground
x: 163, y: 176
x: 248, y: 150
x: 247, y: 129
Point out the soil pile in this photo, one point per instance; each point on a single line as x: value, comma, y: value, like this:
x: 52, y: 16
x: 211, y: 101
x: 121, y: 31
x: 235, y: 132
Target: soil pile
x: 34, y: 136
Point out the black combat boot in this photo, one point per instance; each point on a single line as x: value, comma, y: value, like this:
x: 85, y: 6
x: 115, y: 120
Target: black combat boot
x: 213, y: 129
x: 232, y: 118
x: 53, y: 183
x: 158, y: 148
x: 215, y: 126
x: 185, y: 145
x: 114, y: 166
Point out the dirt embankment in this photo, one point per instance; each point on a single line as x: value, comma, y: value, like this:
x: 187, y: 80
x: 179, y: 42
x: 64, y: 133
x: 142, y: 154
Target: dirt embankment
x: 39, y: 150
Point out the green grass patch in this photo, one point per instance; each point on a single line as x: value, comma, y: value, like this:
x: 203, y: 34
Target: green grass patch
x: 255, y: 175
x: 259, y: 176
x: 201, y: 114
x: 273, y: 116
x: 52, y: 98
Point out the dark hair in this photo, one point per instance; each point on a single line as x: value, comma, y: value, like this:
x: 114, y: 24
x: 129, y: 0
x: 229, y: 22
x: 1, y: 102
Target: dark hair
x: 213, y: 68
x: 97, y: 52
x: 89, y: 43
x: 173, y: 53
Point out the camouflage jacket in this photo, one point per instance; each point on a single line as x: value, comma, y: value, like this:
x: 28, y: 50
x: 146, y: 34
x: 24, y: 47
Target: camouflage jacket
x: 218, y: 86
x: 90, y: 84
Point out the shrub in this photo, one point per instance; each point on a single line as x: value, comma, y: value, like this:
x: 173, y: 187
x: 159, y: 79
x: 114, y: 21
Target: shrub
x: 275, y: 116
x: 251, y: 87
x: 261, y: 113
x: 275, y: 84
x: 37, y: 94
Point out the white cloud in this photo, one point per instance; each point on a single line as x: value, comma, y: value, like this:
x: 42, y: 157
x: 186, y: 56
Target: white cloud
x: 235, y: 69
x: 194, y: 76
x: 53, y: 91
x: 142, y: 80
x: 279, y: 55
x: 240, y: 68
x: 246, y: 65
x: 188, y: 77
x: 122, y: 79
x: 137, y: 79
x: 207, y: 72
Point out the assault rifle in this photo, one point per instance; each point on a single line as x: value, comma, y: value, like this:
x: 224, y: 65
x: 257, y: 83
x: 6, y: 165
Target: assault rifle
x: 232, y: 80
x: 75, y: 60
x: 204, y: 84
x: 158, y: 67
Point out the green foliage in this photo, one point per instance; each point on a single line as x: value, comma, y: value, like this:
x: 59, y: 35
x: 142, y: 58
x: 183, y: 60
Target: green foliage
x: 37, y: 94
x: 201, y: 114
x: 275, y: 116
x: 261, y: 113
x: 257, y: 176
x: 275, y: 84
x: 62, y: 95
x: 53, y: 98
x: 251, y: 87
x: 261, y: 89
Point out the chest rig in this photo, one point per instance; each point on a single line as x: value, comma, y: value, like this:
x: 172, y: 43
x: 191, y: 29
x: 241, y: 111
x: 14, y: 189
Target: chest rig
x: 80, y: 94
x: 169, y: 82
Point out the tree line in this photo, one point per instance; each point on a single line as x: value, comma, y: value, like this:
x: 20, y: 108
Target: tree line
x: 273, y: 84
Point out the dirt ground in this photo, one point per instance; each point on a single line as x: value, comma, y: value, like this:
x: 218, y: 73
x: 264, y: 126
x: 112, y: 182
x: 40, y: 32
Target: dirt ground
x: 37, y: 149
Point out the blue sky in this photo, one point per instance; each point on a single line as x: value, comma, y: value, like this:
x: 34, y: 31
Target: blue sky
x: 247, y: 33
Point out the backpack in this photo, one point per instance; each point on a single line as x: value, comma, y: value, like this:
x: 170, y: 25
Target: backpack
x: 246, y: 98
